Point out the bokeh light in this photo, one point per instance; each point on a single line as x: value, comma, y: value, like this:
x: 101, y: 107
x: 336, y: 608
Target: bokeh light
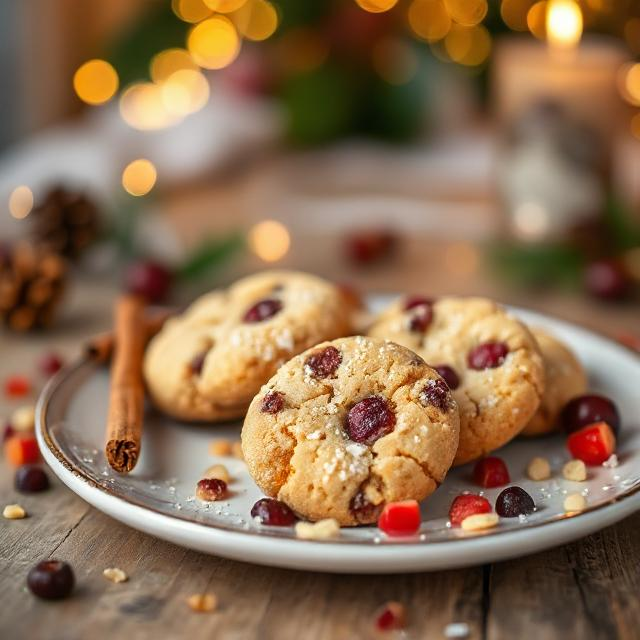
x: 632, y: 83
x: 269, y: 240
x: 214, y: 43
x: 531, y: 221
x: 537, y: 20
x: 514, y: 13
x: 21, y: 202
x: 470, y: 46
x: 564, y: 23
x: 185, y: 92
x: 139, y: 177
x: 256, y: 19
x: 467, y: 12
x: 429, y: 19
x: 376, y: 6
x: 394, y: 61
x: 191, y: 10
x: 224, y: 6
x: 95, y: 82
x: 166, y: 63
x: 142, y: 107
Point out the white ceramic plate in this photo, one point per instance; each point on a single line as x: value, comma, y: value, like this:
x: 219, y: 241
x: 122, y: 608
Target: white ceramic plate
x: 158, y: 496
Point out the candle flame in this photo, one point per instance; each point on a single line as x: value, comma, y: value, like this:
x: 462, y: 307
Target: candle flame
x: 564, y: 24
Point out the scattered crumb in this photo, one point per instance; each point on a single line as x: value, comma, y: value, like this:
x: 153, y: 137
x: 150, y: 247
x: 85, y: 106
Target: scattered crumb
x: 236, y: 450
x: 611, y: 462
x: 321, y: 530
x: 539, y: 469
x: 218, y: 471
x: 23, y: 419
x: 220, y: 448
x: 574, y: 503
x: 575, y: 470
x: 457, y: 630
x: 116, y: 575
x: 392, y: 615
x: 479, y: 521
x: 203, y: 602
x: 14, y: 512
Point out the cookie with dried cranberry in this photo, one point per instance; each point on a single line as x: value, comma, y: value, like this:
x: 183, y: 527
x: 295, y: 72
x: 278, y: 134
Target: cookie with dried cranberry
x: 208, y: 363
x: 348, y: 426
x: 489, y: 359
x: 565, y: 380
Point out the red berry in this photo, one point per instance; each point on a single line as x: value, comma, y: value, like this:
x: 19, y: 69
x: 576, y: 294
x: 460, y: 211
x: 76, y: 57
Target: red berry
x: 366, y: 247
x: 467, y: 505
x: 400, y: 518
x: 491, y: 472
x: 30, y: 478
x: 370, y: 419
x: 437, y: 394
x: 50, y: 364
x: 17, y: 386
x: 420, y: 319
x: 592, y: 444
x: 273, y: 513
x: 148, y: 279
x: 487, y: 356
x: 588, y: 409
x: 391, y: 616
x: 262, y: 310
x: 273, y: 402
x: 323, y: 363
x: 51, y: 580
x: 606, y: 279
x: 417, y: 301
x: 514, y: 502
x: 449, y: 375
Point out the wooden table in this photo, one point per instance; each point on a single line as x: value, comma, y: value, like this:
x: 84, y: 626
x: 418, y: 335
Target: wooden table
x: 584, y: 590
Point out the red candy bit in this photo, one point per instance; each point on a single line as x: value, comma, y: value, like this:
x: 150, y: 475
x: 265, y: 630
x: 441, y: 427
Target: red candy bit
x: 20, y: 450
x: 400, y: 518
x: 263, y: 310
x: 465, y: 505
x: 391, y: 616
x: 449, y: 375
x: 593, y: 444
x: 491, y: 472
x: 323, y: 363
x: 487, y: 356
x: 370, y: 419
x: 50, y: 364
x: 17, y: 386
x: 273, y: 402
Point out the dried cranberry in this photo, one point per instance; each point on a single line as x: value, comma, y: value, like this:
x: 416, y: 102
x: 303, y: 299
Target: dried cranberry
x: 51, y: 580
x: 606, y: 279
x: 392, y: 616
x: 324, y: 363
x: 50, y: 364
x: 449, y: 375
x: 370, y: 419
x: 420, y: 319
x: 417, y: 301
x: 148, y: 279
x: 197, y: 362
x: 514, y: 502
x: 273, y: 402
x: 587, y: 409
x: 362, y: 510
x: 366, y: 247
x: 488, y: 355
x: 263, y: 310
x: 31, y: 479
x: 273, y: 513
x: 211, y: 489
x: 437, y: 394
x: 491, y: 472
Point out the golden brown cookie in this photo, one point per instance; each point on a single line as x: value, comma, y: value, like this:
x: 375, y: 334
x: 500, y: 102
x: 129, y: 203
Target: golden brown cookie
x: 349, y: 425
x: 208, y: 363
x: 489, y: 359
x: 565, y: 379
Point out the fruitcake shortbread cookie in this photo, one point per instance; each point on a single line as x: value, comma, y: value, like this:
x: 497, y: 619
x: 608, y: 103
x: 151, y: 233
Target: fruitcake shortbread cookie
x: 489, y: 359
x: 208, y: 363
x: 565, y: 379
x: 349, y: 425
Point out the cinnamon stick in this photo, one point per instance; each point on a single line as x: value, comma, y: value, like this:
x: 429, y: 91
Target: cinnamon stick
x: 126, y: 399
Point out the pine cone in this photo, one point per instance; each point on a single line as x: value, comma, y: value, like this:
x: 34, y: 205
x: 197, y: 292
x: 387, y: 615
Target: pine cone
x: 32, y: 281
x: 66, y: 222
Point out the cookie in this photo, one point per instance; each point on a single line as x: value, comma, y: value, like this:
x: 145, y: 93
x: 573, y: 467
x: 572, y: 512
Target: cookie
x: 489, y: 359
x: 565, y: 379
x: 350, y: 425
x: 208, y: 363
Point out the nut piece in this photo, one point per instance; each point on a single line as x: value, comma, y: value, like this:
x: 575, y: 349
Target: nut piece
x: 211, y: 489
x: 539, y: 469
x: 115, y: 575
x: 14, y: 512
x: 575, y: 470
x: 203, y: 602
x: 236, y: 450
x: 321, y: 530
x: 574, y: 503
x: 220, y: 448
x: 218, y: 471
x: 480, y: 521
x: 23, y: 419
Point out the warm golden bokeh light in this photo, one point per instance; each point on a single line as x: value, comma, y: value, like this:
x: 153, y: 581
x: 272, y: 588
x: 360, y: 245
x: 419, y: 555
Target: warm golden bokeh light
x: 191, y: 10
x: 269, y: 240
x: 224, y: 6
x: 632, y: 83
x: 635, y: 126
x: 467, y: 12
x: 95, y: 82
x: 256, y: 19
x: 142, y: 107
x: 470, y: 46
x: 394, y: 61
x: 514, y: 13
x: 376, y: 6
x: 429, y: 19
x: 537, y: 20
x: 214, y: 43
x: 20, y: 202
x: 139, y: 177
x: 167, y: 62
x: 185, y: 92
x: 564, y: 23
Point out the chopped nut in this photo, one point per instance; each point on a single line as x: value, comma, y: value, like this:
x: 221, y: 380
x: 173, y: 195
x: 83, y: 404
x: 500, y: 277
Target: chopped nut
x: 539, y: 469
x: 203, y: 602
x: 479, y: 521
x: 321, y: 530
x: 115, y: 575
x: 575, y: 470
x: 236, y: 450
x: 14, y: 512
x: 574, y: 503
x: 611, y: 462
x: 218, y: 471
x: 23, y: 419
x: 220, y: 448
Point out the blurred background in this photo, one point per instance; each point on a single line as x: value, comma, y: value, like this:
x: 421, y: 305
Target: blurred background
x: 467, y: 146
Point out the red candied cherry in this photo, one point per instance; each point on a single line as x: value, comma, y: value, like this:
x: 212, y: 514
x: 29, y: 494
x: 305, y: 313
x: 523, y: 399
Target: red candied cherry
x: 400, y: 518
x: 370, y: 419
x: 323, y: 363
x: 491, y: 472
x: 606, y: 279
x: 273, y: 402
x: 449, y: 375
x: 488, y: 355
x: 211, y: 489
x: 589, y: 409
x: 148, y: 279
x: 514, y: 502
x: 50, y: 364
x: 465, y: 505
x: 437, y: 394
x: 51, y: 580
x: 17, y: 386
x: 362, y: 510
x: 391, y: 616
x: 273, y: 513
x: 592, y: 444
x: 262, y: 310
